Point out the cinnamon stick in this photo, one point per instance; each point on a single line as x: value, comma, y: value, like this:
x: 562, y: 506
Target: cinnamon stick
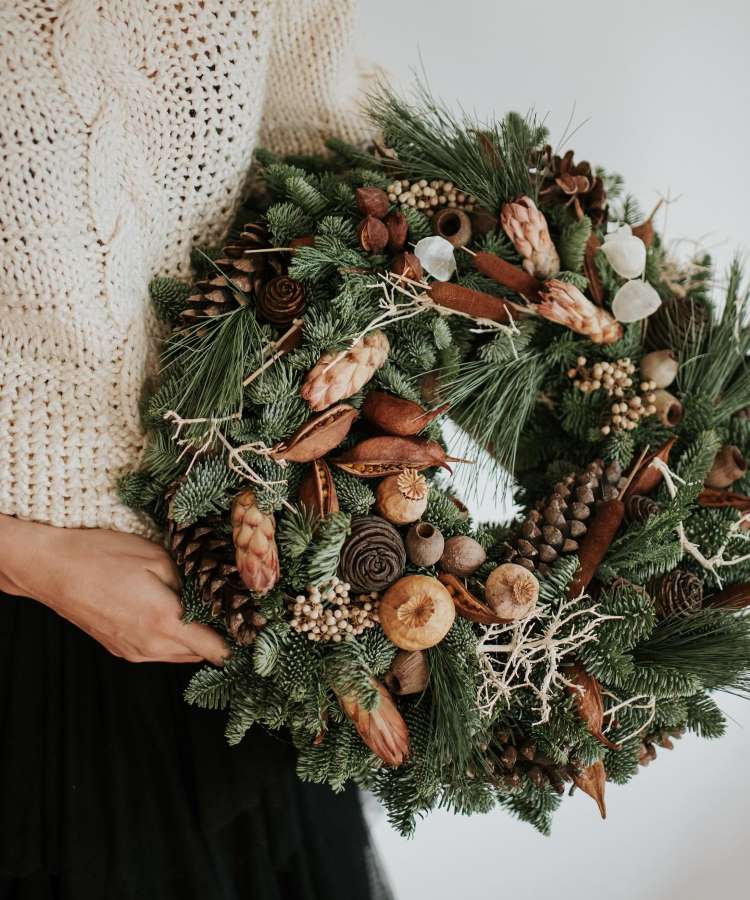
x: 715, y: 498
x: 648, y: 477
x: 472, y: 303
x: 595, y: 543
x: 510, y: 276
x: 736, y: 596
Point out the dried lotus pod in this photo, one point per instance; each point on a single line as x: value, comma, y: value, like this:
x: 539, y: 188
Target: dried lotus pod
x: 281, y: 300
x: 337, y: 376
x: 382, y: 728
x: 318, y: 436
x: 253, y: 533
x: 395, y: 415
x: 416, y: 612
x: 317, y: 491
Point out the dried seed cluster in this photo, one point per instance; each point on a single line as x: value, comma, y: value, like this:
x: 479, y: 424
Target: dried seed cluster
x: 329, y: 613
x: 616, y: 378
x: 430, y: 195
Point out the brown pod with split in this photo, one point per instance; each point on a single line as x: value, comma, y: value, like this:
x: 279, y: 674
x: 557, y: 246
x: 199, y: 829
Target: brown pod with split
x: 511, y: 591
x: 373, y: 235
x: 372, y: 201
x: 318, y: 436
x: 594, y: 545
x: 729, y: 465
x: 394, y: 415
x: 647, y: 476
x: 409, y: 673
x: 388, y: 455
x: 467, y: 605
x: 317, y: 491
x: 454, y: 225
x: 416, y: 612
x: 587, y: 694
x: 398, y: 230
x: 407, y: 265
x: 475, y: 304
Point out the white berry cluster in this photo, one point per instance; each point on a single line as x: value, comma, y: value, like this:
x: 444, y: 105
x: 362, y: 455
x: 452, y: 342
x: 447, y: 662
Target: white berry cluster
x: 430, y: 195
x: 328, y: 613
x: 616, y: 378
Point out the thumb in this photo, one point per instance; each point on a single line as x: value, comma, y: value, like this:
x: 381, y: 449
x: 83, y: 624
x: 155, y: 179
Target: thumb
x: 206, y: 642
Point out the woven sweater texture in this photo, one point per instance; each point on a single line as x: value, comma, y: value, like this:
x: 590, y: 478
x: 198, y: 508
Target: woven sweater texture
x: 126, y: 131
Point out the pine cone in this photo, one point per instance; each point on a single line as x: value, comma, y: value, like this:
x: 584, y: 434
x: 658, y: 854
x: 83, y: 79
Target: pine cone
x: 678, y: 593
x: 281, y: 300
x: 526, y: 226
x: 202, y: 551
x: 558, y: 523
x: 514, y: 758
x: 253, y: 533
x: 662, y: 738
x: 678, y: 324
x: 638, y: 508
x: 338, y: 376
x: 242, y: 275
x: 573, y: 184
x: 564, y: 304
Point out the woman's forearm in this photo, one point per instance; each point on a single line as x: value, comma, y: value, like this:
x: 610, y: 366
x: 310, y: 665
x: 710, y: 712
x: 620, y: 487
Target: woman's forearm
x: 22, y: 546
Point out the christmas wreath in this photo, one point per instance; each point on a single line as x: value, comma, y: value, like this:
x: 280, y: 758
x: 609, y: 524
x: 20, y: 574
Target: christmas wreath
x: 295, y: 458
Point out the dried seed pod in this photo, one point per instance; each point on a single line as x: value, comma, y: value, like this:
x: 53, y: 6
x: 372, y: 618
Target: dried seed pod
x: 281, y: 300
x: 407, y: 265
x: 648, y: 476
x: 372, y: 201
x: 416, y: 612
x: 511, y: 591
x: 466, y: 603
x: 454, y: 225
x: 660, y: 366
x: 409, y: 673
x: 587, y: 694
x: 508, y: 275
x: 592, y: 781
x: 398, y: 231
x: 729, y: 465
x: 318, y: 436
x: 317, y: 491
x: 373, y: 556
x: 712, y: 498
x: 462, y: 555
x: 381, y: 728
x: 424, y: 544
x: 373, y: 235
x: 402, y: 498
x: 597, y: 540
x: 380, y: 456
x: 669, y: 410
x: 253, y: 534
x: 394, y: 415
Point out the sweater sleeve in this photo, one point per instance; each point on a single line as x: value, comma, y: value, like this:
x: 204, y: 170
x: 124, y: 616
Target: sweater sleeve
x: 314, y: 84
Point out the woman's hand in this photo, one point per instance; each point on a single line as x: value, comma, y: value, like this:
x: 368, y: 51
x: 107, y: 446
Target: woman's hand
x: 119, y: 588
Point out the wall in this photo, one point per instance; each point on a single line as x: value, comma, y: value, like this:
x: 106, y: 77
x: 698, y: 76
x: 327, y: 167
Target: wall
x: 661, y: 93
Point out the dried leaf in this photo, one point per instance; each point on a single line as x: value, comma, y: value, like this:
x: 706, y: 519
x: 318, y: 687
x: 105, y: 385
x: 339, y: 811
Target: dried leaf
x: 466, y: 603
x: 588, y: 700
x: 318, y: 436
x: 591, y: 781
x: 595, y: 543
x: 398, y: 416
x: 648, y: 477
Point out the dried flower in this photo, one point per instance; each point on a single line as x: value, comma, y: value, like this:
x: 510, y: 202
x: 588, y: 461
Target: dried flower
x: 625, y: 252
x: 565, y: 304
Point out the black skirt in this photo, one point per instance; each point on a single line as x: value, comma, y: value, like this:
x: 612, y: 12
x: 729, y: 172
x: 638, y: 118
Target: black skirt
x: 112, y: 787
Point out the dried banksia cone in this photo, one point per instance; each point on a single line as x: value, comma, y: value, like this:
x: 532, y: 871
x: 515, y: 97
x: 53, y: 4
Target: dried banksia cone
x: 381, y: 728
x: 462, y: 555
x: 402, y: 498
x: 373, y: 556
x: 527, y: 227
x: 409, y: 673
x: 679, y: 593
x: 729, y: 465
x: 564, y: 304
x: 416, y: 612
x: 337, y: 376
x: 639, y: 508
x: 253, y: 533
x: 511, y: 591
x: 424, y: 544
x: 281, y: 300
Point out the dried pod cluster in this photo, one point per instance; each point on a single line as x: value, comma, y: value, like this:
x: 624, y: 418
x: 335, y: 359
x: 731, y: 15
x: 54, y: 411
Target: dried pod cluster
x: 327, y: 612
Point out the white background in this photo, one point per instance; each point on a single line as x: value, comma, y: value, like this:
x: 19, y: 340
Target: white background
x: 663, y: 92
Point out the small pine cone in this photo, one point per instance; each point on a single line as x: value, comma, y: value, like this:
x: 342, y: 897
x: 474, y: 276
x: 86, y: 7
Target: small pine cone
x: 564, y: 304
x: 337, y: 376
x: 638, y: 508
x: 679, y: 593
x: 253, y: 533
x: 281, y: 300
x: 527, y: 227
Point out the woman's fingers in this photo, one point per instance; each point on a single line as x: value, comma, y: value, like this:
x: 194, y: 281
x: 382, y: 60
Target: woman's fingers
x: 207, y: 642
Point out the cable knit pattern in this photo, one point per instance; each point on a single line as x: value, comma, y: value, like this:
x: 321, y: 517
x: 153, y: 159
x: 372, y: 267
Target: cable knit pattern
x: 127, y: 131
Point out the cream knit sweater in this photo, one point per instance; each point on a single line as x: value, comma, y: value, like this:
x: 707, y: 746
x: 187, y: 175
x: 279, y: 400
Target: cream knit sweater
x: 126, y: 132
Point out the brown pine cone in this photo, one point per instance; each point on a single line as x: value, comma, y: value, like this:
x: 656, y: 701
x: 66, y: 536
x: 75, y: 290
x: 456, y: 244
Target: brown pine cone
x: 558, y: 523
x: 281, y: 300
x: 678, y: 593
x: 662, y: 738
x: 638, y: 508
x: 514, y: 759
x: 567, y: 183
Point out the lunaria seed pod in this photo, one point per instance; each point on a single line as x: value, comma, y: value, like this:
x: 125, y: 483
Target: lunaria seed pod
x: 659, y: 366
x: 416, y: 612
x: 462, y: 555
x: 409, y: 673
x: 402, y: 498
x: 668, y: 408
x: 512, y: 591
x: 729, y: 465
x: 424, y: 544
